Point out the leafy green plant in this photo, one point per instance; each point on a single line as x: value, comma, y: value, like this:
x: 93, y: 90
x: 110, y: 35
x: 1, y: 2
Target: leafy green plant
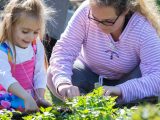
x: 147, y: 112
x: 92, y: 106
x: 44, y: 114
x: 5, y: 115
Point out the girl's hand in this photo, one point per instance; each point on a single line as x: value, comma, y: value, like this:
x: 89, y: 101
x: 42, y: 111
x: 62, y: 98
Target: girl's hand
x: 42, y: 102
x: 39, y: 97
x: 112, y: 91
x: 30, y: 104
x: 68, y: 91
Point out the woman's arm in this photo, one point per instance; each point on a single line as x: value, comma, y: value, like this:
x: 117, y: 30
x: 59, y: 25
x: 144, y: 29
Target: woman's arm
x: 149, y: 53
x: 68, y: 47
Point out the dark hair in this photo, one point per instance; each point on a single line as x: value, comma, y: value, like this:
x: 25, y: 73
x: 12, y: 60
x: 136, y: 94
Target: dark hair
x: 148, y: 8
x: 119, y: 5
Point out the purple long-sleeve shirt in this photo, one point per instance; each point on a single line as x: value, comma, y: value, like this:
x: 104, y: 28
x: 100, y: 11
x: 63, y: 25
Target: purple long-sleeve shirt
x: 139, y: 44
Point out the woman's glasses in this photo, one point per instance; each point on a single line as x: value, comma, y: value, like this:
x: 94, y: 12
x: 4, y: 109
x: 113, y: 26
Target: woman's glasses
x: 104, y: 22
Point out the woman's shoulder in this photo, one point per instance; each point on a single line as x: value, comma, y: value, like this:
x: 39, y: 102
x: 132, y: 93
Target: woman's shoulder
x: 138, y: 19
x: 84, y: 4
x: 142, y: 28
x: 83, y: 7
x: 140, y: 23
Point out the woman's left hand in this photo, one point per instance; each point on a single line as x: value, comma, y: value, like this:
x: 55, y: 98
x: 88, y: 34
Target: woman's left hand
x: 43, y: 103
x: 112, y: 91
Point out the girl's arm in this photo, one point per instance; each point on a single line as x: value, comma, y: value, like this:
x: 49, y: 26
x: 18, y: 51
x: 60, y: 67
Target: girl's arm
x: 12, y: 85
x: 39, y: 97
x: 40, y: 78
x: 18, y: 90
x: 39, y: 93
x: 6, y: 78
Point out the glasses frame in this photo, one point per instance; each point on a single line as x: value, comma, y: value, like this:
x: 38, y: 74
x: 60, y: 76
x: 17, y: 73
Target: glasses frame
x: 103, y: 22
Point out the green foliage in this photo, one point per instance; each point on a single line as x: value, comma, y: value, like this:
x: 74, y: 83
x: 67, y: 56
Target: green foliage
x: 158, y: 2
x: 5, y: 115
x: 93, y: 106
x: 44, y: 114
x: 147, y: 112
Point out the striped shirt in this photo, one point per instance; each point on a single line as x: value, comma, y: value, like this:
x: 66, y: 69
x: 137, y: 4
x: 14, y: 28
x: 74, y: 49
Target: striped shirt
x: 138, y: 44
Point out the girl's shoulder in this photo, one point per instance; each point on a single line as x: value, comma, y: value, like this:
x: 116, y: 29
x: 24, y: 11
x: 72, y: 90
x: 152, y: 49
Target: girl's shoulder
x: 4, y: 47
x: 39, y: 46
x: 38, y: 43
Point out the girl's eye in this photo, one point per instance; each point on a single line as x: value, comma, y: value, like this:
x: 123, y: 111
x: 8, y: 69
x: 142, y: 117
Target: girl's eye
x: 35, y: 33
x: 25, y: 32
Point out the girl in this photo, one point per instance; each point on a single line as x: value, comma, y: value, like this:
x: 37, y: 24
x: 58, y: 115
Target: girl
x: 113, y: 37
x: 22, y: 68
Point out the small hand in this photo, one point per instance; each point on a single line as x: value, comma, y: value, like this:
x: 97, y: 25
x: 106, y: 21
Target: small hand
x: 30, y: 104
x: 112, y: 91
x: 42, y: 102
x: 68, y: 91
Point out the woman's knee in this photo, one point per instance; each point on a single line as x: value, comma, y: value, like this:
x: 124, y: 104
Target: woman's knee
x: 83, y: 77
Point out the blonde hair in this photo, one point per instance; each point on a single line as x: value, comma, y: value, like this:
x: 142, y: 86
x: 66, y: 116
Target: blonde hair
x: 15, y: 9
x: 148, y: 8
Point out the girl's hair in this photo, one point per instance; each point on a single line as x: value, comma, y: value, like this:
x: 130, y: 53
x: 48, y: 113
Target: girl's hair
x: 148, y: 8
x: 13, y: 12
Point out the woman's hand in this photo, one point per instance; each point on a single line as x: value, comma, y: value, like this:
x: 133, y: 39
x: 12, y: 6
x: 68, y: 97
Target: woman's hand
x: 30, y: 104
x: 68, y: 91
x: 112, y: 91
x: 42, y: 102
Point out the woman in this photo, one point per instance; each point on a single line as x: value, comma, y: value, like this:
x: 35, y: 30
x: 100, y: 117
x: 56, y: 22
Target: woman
x: 110, y: 40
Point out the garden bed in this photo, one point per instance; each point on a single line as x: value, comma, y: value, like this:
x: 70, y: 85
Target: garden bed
x: 93, y: 106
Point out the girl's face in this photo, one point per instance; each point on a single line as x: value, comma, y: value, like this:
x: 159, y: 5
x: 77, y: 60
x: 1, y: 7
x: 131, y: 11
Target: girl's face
x: 106, y: 18
x: 25, y: 31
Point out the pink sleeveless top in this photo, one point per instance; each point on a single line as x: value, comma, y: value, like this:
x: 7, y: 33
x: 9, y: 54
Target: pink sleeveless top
x: 24, y: 72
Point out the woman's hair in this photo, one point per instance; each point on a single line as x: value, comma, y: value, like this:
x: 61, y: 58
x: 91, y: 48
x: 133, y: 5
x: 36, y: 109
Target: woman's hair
x: 14, y: 11
x: 148, y: 8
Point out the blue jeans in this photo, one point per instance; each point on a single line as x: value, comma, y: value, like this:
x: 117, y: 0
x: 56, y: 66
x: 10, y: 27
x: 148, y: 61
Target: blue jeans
x: 85, y: 79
